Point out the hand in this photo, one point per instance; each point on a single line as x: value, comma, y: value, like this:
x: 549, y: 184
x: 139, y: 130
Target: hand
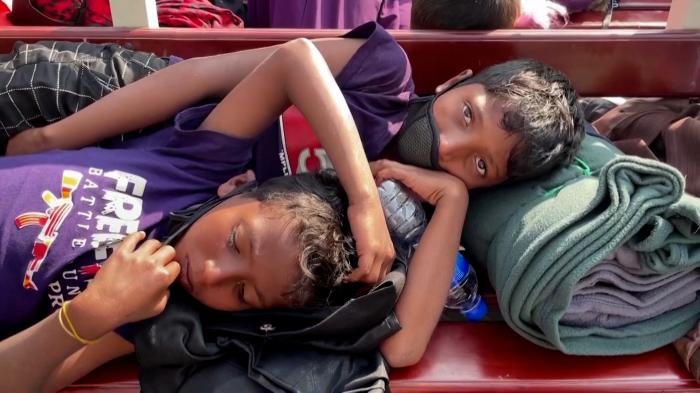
x: 374, y: 247
x: 133, y: 283
x: 235, y: 182
x: 26, y: 142
x: 431, y: 186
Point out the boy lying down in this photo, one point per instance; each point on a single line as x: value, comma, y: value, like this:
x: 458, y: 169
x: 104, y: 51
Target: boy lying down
x: 284, y: 244
x: 280, y: 247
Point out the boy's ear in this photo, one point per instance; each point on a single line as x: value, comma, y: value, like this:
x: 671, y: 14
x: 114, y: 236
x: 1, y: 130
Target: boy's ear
x: 454, y: 80
x: 235, y: 182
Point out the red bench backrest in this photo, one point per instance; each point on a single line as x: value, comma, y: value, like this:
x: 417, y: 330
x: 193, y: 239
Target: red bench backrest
x: 619, y: 62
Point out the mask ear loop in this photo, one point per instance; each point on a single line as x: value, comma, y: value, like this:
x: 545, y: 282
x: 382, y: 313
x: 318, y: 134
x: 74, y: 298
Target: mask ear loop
x: 189, y: 216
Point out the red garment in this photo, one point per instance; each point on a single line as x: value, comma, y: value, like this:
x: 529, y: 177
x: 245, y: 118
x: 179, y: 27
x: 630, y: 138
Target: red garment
x: 4, y: 13
x: 687, y: 347
x: 195, y: 13
x: 171, y: 13
x: 61, y: 11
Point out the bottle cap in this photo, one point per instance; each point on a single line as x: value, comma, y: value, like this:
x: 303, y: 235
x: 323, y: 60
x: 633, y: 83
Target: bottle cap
x: 476, y: 313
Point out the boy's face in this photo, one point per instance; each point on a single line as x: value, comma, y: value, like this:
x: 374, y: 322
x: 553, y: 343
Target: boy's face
x: 235, y: 257
x: 473, y: 146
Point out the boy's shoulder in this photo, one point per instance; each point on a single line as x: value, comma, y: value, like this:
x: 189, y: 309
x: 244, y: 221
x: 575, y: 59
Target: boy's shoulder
x: 380, y: 63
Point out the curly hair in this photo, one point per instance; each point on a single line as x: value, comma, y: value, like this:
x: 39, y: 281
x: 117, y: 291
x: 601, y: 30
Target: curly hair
x: 315, y: 206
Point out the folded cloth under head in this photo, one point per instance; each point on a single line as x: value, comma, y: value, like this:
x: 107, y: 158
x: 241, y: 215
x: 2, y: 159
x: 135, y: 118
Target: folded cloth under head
x: 538, y: 239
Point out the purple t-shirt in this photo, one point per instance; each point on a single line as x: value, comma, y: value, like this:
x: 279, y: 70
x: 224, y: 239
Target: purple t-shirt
x: 376, y: 83
x: 60, y: 210
x: 328, y: 14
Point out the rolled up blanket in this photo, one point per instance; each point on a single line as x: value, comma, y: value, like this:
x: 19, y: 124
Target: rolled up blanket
x: 538, y: 239
x: 614, y: 295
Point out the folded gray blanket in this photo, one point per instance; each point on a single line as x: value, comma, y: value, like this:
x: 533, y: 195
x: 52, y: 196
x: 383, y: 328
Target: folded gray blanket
x: 620, y: 291
x: 539, y: 239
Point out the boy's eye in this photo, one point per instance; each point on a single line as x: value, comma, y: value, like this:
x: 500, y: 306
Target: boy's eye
x: 480, y: 166
x: 232, y: 239
x: 467, y: 112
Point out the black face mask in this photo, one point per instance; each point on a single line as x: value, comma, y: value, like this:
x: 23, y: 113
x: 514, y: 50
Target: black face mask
x: 181, y: 220
x: 418, y: 140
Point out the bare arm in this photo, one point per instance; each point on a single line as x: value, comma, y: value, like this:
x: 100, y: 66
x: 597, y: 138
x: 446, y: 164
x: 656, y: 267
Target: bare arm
x: 296, y: 73
x: 55, y: 346
x: 86, y: 359
x: 432, y: 265
x: 132, y: 285
x: 161, y: 95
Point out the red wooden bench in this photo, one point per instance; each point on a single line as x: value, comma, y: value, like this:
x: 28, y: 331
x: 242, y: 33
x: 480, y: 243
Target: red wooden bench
x: 484, y: 356
x: 644, y: 4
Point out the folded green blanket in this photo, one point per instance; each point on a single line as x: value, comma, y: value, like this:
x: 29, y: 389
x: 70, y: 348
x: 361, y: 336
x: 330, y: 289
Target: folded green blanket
x: 537, y: 239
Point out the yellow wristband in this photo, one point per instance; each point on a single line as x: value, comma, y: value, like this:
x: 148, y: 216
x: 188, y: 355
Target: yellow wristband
x: 63, y: 324
x: 70, y: 329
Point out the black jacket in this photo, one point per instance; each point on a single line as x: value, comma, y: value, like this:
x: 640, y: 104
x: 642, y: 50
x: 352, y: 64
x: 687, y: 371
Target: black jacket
x: 192, y: 349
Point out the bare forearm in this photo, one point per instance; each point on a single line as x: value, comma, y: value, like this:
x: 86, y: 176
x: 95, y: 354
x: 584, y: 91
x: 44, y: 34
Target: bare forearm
x: 427, y: 283
x: 161, y: 95
x: 145, y: 102
x: 297, y: 73
x: 153, y: 99
x: 319, y: 98
x: 44, y: 346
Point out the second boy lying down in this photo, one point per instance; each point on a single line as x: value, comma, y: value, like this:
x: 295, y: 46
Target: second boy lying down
x: 512, y: 121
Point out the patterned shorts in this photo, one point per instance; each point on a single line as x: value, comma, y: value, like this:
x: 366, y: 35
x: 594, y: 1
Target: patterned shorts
x: 47, y: 81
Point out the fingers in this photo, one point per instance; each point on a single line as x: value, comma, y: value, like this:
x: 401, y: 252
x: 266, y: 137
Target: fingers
x: 173, y: 268
x: 235, y: 182
x: 243, y: 178
x: 249, y: 175
x: 149, y: 247
x: 130, y: 242
x: 362, y: 272
x: 386, y: 169
x: 379, y: 169
x: 370, y: 271
x: 377, y: 272
x: 164, y: 254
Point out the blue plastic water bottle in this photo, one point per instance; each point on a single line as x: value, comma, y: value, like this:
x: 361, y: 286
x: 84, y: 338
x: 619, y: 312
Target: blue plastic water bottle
x: 464, y: 292
x: 406, y: 220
